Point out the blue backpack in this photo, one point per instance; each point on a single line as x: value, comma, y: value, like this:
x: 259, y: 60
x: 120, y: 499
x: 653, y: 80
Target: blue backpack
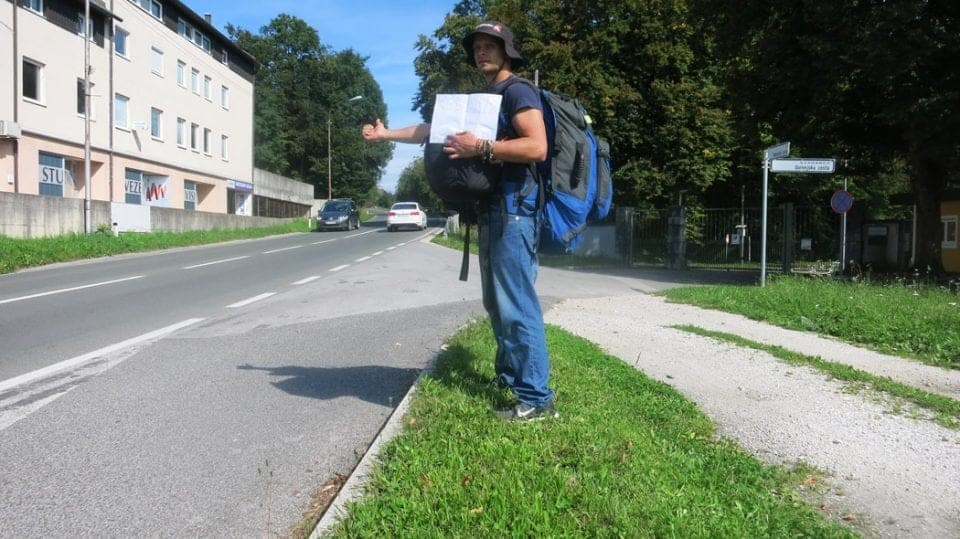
x: 576, y: 180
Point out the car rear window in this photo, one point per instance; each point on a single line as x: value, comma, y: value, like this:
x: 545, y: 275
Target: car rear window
x: 404, y: 206
x: 336, y: 205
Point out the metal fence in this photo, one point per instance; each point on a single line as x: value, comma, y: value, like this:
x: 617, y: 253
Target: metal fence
x: 800, y: 239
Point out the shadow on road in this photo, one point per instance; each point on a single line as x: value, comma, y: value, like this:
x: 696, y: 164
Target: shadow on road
x: 372, y: 383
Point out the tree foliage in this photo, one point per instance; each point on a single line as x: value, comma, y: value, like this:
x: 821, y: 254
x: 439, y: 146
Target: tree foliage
x: 413, y: 187
x: 302, y: 89
x: 638, y: 66
x: 869, y: 81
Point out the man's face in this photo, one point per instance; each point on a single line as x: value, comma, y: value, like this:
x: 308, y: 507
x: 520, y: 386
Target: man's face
x: 488, y: 54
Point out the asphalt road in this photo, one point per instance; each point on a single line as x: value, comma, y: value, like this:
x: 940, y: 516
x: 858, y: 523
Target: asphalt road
x: 225, y: 423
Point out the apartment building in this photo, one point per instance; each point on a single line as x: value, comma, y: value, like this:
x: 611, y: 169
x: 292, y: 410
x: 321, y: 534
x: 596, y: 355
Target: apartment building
x: 170, y: 109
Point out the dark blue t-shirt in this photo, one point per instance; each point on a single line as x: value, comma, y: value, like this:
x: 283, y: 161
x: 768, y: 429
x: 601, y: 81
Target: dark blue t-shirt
x: 517, y: 97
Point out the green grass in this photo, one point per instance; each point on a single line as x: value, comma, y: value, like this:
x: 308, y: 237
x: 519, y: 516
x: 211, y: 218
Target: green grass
x: 17, y: 253
x: 455, y: 241
x: 629, y: 457
x: 905, y: 319
x: 946, y: 411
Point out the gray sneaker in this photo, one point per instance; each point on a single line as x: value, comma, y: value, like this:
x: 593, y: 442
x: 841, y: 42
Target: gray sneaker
x: 526, y: 412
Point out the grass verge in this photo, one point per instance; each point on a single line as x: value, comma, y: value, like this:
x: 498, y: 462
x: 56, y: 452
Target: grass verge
x: 946, y: 411
x: 904, y: 319
x: 18, y: 253
x: 629, y: 457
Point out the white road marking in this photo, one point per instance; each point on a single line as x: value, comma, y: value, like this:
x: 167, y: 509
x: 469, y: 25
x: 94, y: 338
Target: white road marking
x: 71, y: 289
x: 34, y: 390
x: 216, y: 262
x: 307, y: 280
x: 378, y: 253
x: 338, y: 268
x: 248, y: 301
x: 80, y: 360
x: 362, y: 259
x: 292, y: 247
x: 323, y: 241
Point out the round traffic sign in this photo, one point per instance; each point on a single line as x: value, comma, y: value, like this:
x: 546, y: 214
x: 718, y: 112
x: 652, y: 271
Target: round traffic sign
x: 841, y: 201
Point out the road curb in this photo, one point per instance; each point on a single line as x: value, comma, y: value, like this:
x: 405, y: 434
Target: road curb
x: 353, y: 488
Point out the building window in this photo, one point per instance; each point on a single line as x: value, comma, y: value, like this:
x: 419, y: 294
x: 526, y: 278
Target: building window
x: 181, y: 132
x: 949, y: 231
x: 81, y: 97
x: 194, y: 136
x: 32, y: 81
x: 193, y: 35
x: 152, y: 7
x: 79, y: 27
x: 53, y: 174
x: 157, y: 59
x: 181, y: 73
x: 156, y: 123
x: 206, y: 87
x: 224, y: 57
x: 120, y: 41
x: 120, y: 103
x: 225, y: 97
x: 223, y: 147
x: 133, y: 187
x: 206, y: 141
x: 189, y: 195
x: 34, y: 5
x: 195, y: 81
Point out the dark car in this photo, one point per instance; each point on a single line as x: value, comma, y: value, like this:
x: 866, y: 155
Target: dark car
x: 338, y: 213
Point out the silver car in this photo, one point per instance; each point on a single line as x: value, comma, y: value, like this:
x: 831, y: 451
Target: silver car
x: 406, y: 214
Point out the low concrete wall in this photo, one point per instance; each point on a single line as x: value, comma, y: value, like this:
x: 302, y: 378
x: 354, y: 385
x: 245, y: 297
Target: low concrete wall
x: 174, y: 220
x: 270, y: 185
x: 35, y: 216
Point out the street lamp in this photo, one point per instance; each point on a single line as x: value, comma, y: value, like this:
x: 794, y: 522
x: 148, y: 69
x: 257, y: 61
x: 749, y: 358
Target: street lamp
x: 330, y: 151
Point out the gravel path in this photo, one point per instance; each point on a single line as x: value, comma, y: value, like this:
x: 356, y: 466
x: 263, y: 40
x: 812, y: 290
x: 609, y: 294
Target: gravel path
x: 890, y: 474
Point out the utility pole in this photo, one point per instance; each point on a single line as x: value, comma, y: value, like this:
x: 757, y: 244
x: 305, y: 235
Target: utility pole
x: 87, y: 217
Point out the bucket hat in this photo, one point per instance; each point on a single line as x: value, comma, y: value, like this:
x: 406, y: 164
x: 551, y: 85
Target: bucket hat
x: 499, y: 31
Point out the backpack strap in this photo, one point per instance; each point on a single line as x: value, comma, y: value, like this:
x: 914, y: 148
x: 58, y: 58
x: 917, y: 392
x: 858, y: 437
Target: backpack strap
x: 521, y: 194
x: 465, y: 261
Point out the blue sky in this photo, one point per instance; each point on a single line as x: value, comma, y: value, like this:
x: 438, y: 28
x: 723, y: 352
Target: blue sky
x: 384, y: 31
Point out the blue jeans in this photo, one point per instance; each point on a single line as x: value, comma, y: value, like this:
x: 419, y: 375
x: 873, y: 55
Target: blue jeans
x: 508, y: 274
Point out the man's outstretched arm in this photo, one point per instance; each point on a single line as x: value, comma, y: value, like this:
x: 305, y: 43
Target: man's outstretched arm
x: 412, y: 134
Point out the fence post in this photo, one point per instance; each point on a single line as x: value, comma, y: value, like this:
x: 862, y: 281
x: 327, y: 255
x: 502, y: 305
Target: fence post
x: 624, y: 234
x: 787, y: 237
x: 677, y: 238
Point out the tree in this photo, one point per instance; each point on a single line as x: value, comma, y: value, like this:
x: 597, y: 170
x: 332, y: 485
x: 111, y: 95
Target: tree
x: 413, y: 187
x: 638, y: 66
x: 300, y: 86
x: 870, y: 81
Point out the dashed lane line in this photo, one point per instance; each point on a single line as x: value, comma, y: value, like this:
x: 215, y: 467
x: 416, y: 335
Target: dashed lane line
x: 248, y: 301
x: 71, y: 289
x: 211, y: 263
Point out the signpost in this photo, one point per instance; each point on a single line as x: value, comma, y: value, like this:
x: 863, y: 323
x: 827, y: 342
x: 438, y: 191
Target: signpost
x: 775, y: 160
x: 780, y: 150
x: 802, y: 166
x: 841, y: 201
x: 773, y: 152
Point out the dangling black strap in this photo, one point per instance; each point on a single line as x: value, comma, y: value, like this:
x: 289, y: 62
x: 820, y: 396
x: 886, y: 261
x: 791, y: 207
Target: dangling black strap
x: 465, y: 262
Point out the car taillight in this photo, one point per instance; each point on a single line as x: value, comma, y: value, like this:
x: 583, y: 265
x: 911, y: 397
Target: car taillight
x: 391, y: 213
x: 414, y: 212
